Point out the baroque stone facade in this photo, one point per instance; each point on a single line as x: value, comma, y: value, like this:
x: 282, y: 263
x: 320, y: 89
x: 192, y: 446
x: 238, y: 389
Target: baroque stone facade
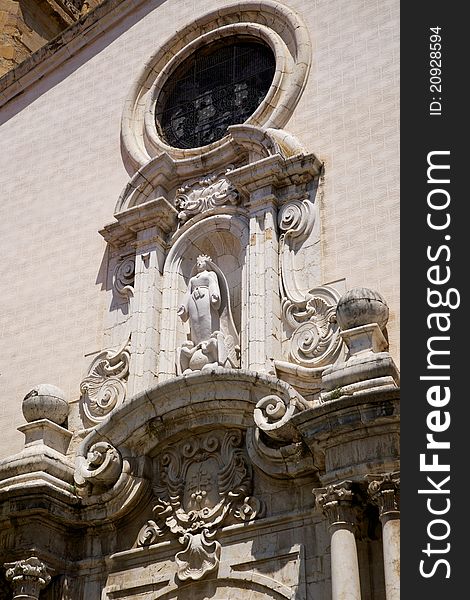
x: 231, y: 428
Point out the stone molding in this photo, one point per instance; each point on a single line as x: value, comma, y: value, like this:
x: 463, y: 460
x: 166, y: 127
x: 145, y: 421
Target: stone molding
x: 110, y: 472
x: 270, y: 157
x: 343, y: 435
x: 162, y: 409
x: 286, y: 461
x: 61, y: 48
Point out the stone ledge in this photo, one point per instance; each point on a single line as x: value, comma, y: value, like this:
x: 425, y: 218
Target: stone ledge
x: 82, y: 32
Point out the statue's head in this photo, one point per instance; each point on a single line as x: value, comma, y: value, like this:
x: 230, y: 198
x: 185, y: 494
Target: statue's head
x: 203, y: 262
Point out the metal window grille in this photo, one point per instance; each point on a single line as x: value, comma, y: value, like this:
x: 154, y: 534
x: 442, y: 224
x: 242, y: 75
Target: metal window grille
x: 219, y: 85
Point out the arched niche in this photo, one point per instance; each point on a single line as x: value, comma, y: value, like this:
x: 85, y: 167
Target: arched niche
x: 223, y: 237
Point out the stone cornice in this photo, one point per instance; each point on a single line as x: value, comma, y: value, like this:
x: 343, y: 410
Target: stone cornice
x: 67, y: 43
x: 157, y: 213
x: 352, y: 420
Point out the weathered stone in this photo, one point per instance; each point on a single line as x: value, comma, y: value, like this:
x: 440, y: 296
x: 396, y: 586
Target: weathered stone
x: 45, y: 401
x: 192, y: 445
x: 361, y: 306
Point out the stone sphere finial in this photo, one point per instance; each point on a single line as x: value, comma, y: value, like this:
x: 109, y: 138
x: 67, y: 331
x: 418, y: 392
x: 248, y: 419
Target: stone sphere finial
x: 45, y: 401
x: 361, y: 306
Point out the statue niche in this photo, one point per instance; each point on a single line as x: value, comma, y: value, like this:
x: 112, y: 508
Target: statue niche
x: 213, y: 339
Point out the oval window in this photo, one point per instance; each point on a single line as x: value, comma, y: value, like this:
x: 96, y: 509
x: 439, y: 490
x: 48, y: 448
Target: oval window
x: 221, y: 84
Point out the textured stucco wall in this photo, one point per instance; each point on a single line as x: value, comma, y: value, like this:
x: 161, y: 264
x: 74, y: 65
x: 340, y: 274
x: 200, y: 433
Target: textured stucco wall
x: 61, y: 173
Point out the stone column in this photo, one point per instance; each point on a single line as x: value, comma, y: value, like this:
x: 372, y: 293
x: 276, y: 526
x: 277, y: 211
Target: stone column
x: 28, y: 577
x: 146, y: 309
x: 384, y: 490
x: 336, y: 502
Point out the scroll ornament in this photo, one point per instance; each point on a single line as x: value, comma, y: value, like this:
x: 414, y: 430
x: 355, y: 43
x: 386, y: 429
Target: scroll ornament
x: 315, y: 340
x: 273, y: 415
x: 123, y: 277
x: 206, y: 481
x: 99, y: 470
x: 104, y: 388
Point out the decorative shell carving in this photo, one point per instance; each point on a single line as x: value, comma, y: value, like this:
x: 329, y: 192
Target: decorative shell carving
x: 206, y: 480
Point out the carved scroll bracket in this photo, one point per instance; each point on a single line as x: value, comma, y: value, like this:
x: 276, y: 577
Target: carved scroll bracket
x: 273, y: 415
x: 287, y: 461
x: 311, y: 317
x: 99, y: 470
x: 123, y: 277
x: 104, y: 388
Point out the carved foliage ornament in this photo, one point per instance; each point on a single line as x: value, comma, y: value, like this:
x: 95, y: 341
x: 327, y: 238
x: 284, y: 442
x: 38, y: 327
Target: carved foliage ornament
x: 105, y: 388
x: 206, y: 481
x: 384, y: 490
x: 28, y: 577
x: 336, y: 502
x: 209, y: 192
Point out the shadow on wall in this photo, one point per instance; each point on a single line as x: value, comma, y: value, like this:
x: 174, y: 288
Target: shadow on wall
x: 85, y: 26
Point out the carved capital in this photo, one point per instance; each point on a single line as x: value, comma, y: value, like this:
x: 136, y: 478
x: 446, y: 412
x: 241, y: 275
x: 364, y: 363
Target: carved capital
x: 384, y: 490
x: 28, y: 577
x: 337, y: 504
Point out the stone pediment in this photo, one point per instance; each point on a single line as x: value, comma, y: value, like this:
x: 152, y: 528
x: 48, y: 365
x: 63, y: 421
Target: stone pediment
x: 175, y: 410
x: 171, y: 177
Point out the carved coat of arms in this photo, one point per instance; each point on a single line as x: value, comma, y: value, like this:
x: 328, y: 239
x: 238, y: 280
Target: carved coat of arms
x: 204, y: 482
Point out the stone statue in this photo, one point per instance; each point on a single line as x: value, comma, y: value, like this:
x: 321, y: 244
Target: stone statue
x: 202, y: 302
x: 213, y: 339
